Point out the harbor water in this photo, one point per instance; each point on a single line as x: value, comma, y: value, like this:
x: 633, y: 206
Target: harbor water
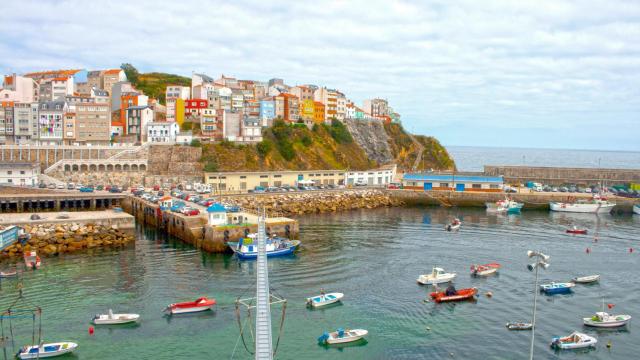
x: 374, y: 257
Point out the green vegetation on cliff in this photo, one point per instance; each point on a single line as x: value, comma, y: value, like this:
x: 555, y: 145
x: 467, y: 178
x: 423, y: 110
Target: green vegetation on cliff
x: 405, y: 150
x: 154, y: 84
x: 289, y: 147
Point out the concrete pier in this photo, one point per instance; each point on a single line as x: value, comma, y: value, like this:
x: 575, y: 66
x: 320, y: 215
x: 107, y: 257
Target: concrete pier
x: 120, y: 220
x: 17, y: 200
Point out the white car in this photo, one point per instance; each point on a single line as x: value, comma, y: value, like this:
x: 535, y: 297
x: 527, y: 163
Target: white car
x: 61, y: 186
x: 587, y: 190
x: 79, y: 186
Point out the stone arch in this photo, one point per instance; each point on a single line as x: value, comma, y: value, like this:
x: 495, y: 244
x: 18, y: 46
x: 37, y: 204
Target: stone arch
x: 74, y: 167
x: 101, y: 167
x: 134, y: 167
x: 143, y: 167
x: 109, y: 167
x: 118, y: 167
x: 125, y: 167
x: 67, y: 167
x: 84, y: 167
x: 93, y: 167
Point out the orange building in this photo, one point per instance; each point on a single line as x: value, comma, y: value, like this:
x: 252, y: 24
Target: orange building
x: 318, y: 112
x: 128, y: 100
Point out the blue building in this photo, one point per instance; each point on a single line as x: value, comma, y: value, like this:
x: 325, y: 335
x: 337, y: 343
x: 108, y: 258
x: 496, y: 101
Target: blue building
x: 429, y: 181
x: 267, y: 109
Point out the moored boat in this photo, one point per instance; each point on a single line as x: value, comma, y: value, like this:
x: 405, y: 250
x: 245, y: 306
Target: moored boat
x: 484, y: 270
x: 32, y: 260
x: 437, y: 276
x: 114, y: 319
x: 201, y: 304
x: 455, y: 225
x: 586, y: 279
x: 502, y: 206
x: 7, y: 274
x: 636, y: 209
x: 557, y: 288
x: 247, y: 248
x: 596, y: 205
x: 605, y: 320
x: 47, y: 350
x: 324, y: 299
x: 342, y: 336
x: 462, y: 294
x: 519, y: 326
x: 574, y: 341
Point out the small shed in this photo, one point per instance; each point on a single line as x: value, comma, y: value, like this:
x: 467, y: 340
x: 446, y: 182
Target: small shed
x: 217, y: 214
x: 166, y: 202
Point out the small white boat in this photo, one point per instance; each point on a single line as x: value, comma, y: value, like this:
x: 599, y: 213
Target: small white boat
x: 501, y: 206
x: 574, y: 341
x: 115, y: 319
x: 636, y: 209
x: 7, y: 274
x: 604, y: 320
x: 484, y: 270
x: 586, y: 279
x: 200, y: 304
x: 48, y: 350
x: 597, y: 205
x: 342, y: 336
x: 454, y: 226
x: 437, y: 276
x: 519, y: 326
x: 557, y: 288
x: 324, y: 299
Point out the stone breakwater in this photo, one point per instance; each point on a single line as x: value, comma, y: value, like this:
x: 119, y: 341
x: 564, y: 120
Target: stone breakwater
x: 54, y: 239
x: 292, y: 204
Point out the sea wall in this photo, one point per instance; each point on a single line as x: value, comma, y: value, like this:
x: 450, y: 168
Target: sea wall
x: 292, y: 204
x: 54, y: 239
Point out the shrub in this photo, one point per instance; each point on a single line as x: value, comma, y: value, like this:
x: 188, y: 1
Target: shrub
x: 306, y: 140
x: 340, y: 133
x: 196, y: 143
x: 264, y: 147
x: 210, y: 166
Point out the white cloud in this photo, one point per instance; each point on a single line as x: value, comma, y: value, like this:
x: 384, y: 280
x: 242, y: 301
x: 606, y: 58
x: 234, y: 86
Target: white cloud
x: 476, y: 66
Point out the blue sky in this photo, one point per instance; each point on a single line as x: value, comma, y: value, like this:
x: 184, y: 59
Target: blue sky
x: 558, y: 74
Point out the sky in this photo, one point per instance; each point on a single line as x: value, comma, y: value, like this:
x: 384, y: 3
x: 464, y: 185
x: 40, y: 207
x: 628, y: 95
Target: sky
x: 540, y: 74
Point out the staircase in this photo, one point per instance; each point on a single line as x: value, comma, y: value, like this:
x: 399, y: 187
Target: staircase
x: 263, y: 301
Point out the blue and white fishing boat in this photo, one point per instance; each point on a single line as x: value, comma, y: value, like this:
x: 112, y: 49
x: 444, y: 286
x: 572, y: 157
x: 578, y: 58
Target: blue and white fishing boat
x: 557, y: 288
x: 247, y: 248
x: 504, y: 206
x: 324, y: 299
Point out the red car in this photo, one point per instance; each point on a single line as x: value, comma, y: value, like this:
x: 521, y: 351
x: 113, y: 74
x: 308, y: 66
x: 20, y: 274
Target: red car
x: 156, y: 187
x: 189, y: 211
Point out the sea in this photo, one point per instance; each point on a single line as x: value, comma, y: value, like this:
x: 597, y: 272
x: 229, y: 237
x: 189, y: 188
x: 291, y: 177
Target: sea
x: 472, y: 158
x: 372, y: 256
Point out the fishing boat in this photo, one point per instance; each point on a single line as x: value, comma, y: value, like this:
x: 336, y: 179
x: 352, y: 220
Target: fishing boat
x: 7, y: 274
x: 557, y: 288
x: 342, y: 336
x: 636, y: 209
x: 575, y: 230
x: 602, y: 319
x: 201, y: 304
x: 586, y: 279
x: 519, y: 326
x: 32, y: 260
x: 455, y: 225
x: 484, y: 270
x: 247, y: 248
x: 114, y: 319
x: 596, y: 205
x: 574, y: 341
x: 437, y: 276
x: 47, y: 350
x: 460, y: 295
x: 504, y: 206
x: 324, y: 299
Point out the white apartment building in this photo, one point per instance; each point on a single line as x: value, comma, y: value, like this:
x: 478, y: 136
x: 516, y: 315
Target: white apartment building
x: 19, y: 174
x: 162, y: 132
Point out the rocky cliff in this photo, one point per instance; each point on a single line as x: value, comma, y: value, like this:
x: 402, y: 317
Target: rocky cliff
x: 174, y: 160
x: 372, y: 138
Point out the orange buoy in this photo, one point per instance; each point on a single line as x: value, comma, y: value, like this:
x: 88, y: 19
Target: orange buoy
x: 91, y: 330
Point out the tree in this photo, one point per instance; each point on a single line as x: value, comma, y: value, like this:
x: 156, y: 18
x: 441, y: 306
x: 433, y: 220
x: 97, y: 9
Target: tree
x: 196, y: 143
x: 131, y: 72
x: 264, y: 147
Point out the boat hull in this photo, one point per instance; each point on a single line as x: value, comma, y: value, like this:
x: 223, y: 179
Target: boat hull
x: 352, y: 335
x: 636, y: 209
x: 486, y: 272
x: 201, y: 304
x: 63, y: 348
x: 581, y: 208
x: 8, y: 274
x: 462, y: 294
x: 611, y: 321
x: 553, y: 289
x: 275, y: 253
x: 428, y: 280
x: 519, y: 326
x: 578, y: 232
x: 117, y: 319
x: 196, y: 309
x: 452, y: 227
x: 586, y: 279
x: 323, y: 300
x: 585, y: 342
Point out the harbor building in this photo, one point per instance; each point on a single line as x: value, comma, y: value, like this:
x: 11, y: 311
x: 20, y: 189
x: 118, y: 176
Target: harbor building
x: 381, y: 176
x: 245, y: 181
x: 451, y: 182
x: 19, y: 173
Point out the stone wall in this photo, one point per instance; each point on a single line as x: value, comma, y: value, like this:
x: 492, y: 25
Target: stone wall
x: 562, y: 175
x: 174, y: 160
x: 120, y: 178
x: 54, y: 239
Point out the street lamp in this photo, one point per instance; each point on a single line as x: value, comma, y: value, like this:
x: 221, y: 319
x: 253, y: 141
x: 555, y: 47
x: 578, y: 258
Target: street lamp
x: 541, y: 261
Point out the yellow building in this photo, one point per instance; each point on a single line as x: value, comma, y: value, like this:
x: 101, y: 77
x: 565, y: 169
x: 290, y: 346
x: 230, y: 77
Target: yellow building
x: 180, y: 111
x: 245, y: 181
x: 307, y: 109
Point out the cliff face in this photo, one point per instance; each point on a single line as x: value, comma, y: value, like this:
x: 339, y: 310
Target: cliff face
x: 174, y: 160
x: 372, y: 138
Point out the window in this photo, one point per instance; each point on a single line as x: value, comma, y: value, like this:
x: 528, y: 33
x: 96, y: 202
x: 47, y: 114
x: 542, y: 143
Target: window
x: 277, y: 176
x: 21, y: 172
x: 476, y: 186
x: 243, y: 177
x: 9, y: 172
x: 494, y: 186
x: 444, y: 185
x: 264, y: 176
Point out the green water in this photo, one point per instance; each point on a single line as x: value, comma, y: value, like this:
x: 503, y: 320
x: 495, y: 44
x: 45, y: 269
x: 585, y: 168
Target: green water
x: 372, y: 256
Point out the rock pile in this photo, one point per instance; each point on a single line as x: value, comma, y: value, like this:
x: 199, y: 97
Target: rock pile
x: 291, y: 204
x: 53, y: 239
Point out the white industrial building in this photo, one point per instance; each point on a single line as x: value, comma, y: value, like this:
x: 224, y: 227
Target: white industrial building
x: 19, y: 174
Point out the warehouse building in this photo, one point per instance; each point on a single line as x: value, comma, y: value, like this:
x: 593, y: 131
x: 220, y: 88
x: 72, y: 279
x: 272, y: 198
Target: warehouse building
x: 19, y: 173
x: 247, y: 180
x: 452, y: 182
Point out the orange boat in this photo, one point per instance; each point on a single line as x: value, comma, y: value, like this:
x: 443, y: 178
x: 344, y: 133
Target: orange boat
x: 462, y: 294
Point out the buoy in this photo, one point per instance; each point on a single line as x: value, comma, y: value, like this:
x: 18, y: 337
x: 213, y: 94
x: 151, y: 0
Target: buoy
x: 630, y: 250
x: 609, y: 344
x: 489, y: 294
x: 588, y: 250
x: 428, y: 328
x: 91, y: 330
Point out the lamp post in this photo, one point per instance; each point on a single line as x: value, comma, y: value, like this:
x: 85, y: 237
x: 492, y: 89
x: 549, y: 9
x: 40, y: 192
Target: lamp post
x: 541, y: 261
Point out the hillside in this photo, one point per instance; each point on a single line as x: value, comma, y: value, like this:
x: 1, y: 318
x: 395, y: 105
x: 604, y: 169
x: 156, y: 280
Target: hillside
x: 153, y: 84
x: 405, y: 150
x: 290, y: 147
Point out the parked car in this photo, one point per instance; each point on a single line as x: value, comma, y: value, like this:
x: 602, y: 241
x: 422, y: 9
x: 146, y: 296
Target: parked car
x: 60, y: 186
x: 79, y: 186
x: 99, y: 187
x: 156, y: 187
x: 189, y: 211
x: 70, y: 186
x: 563, y: 189
x: 86, y: 189
x: 177, y: 206
x: 160, y: 193
x: 393, y: 186
x: 115, y: 190
x: 42, y: 186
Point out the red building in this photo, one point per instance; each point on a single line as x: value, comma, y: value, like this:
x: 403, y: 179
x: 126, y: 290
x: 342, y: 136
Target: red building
x: 195, y: 107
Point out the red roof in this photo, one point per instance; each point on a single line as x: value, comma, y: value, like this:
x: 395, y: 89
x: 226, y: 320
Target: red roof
x: 112, y: 71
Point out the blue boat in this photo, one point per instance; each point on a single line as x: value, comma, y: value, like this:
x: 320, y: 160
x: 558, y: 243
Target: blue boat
x: 557, y: 288
x: 247, y: 248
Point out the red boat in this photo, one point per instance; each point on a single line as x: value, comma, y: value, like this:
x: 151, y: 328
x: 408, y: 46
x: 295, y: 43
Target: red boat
x: 462, y: 294
x: 201, y: 304
x: 575, y: 230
